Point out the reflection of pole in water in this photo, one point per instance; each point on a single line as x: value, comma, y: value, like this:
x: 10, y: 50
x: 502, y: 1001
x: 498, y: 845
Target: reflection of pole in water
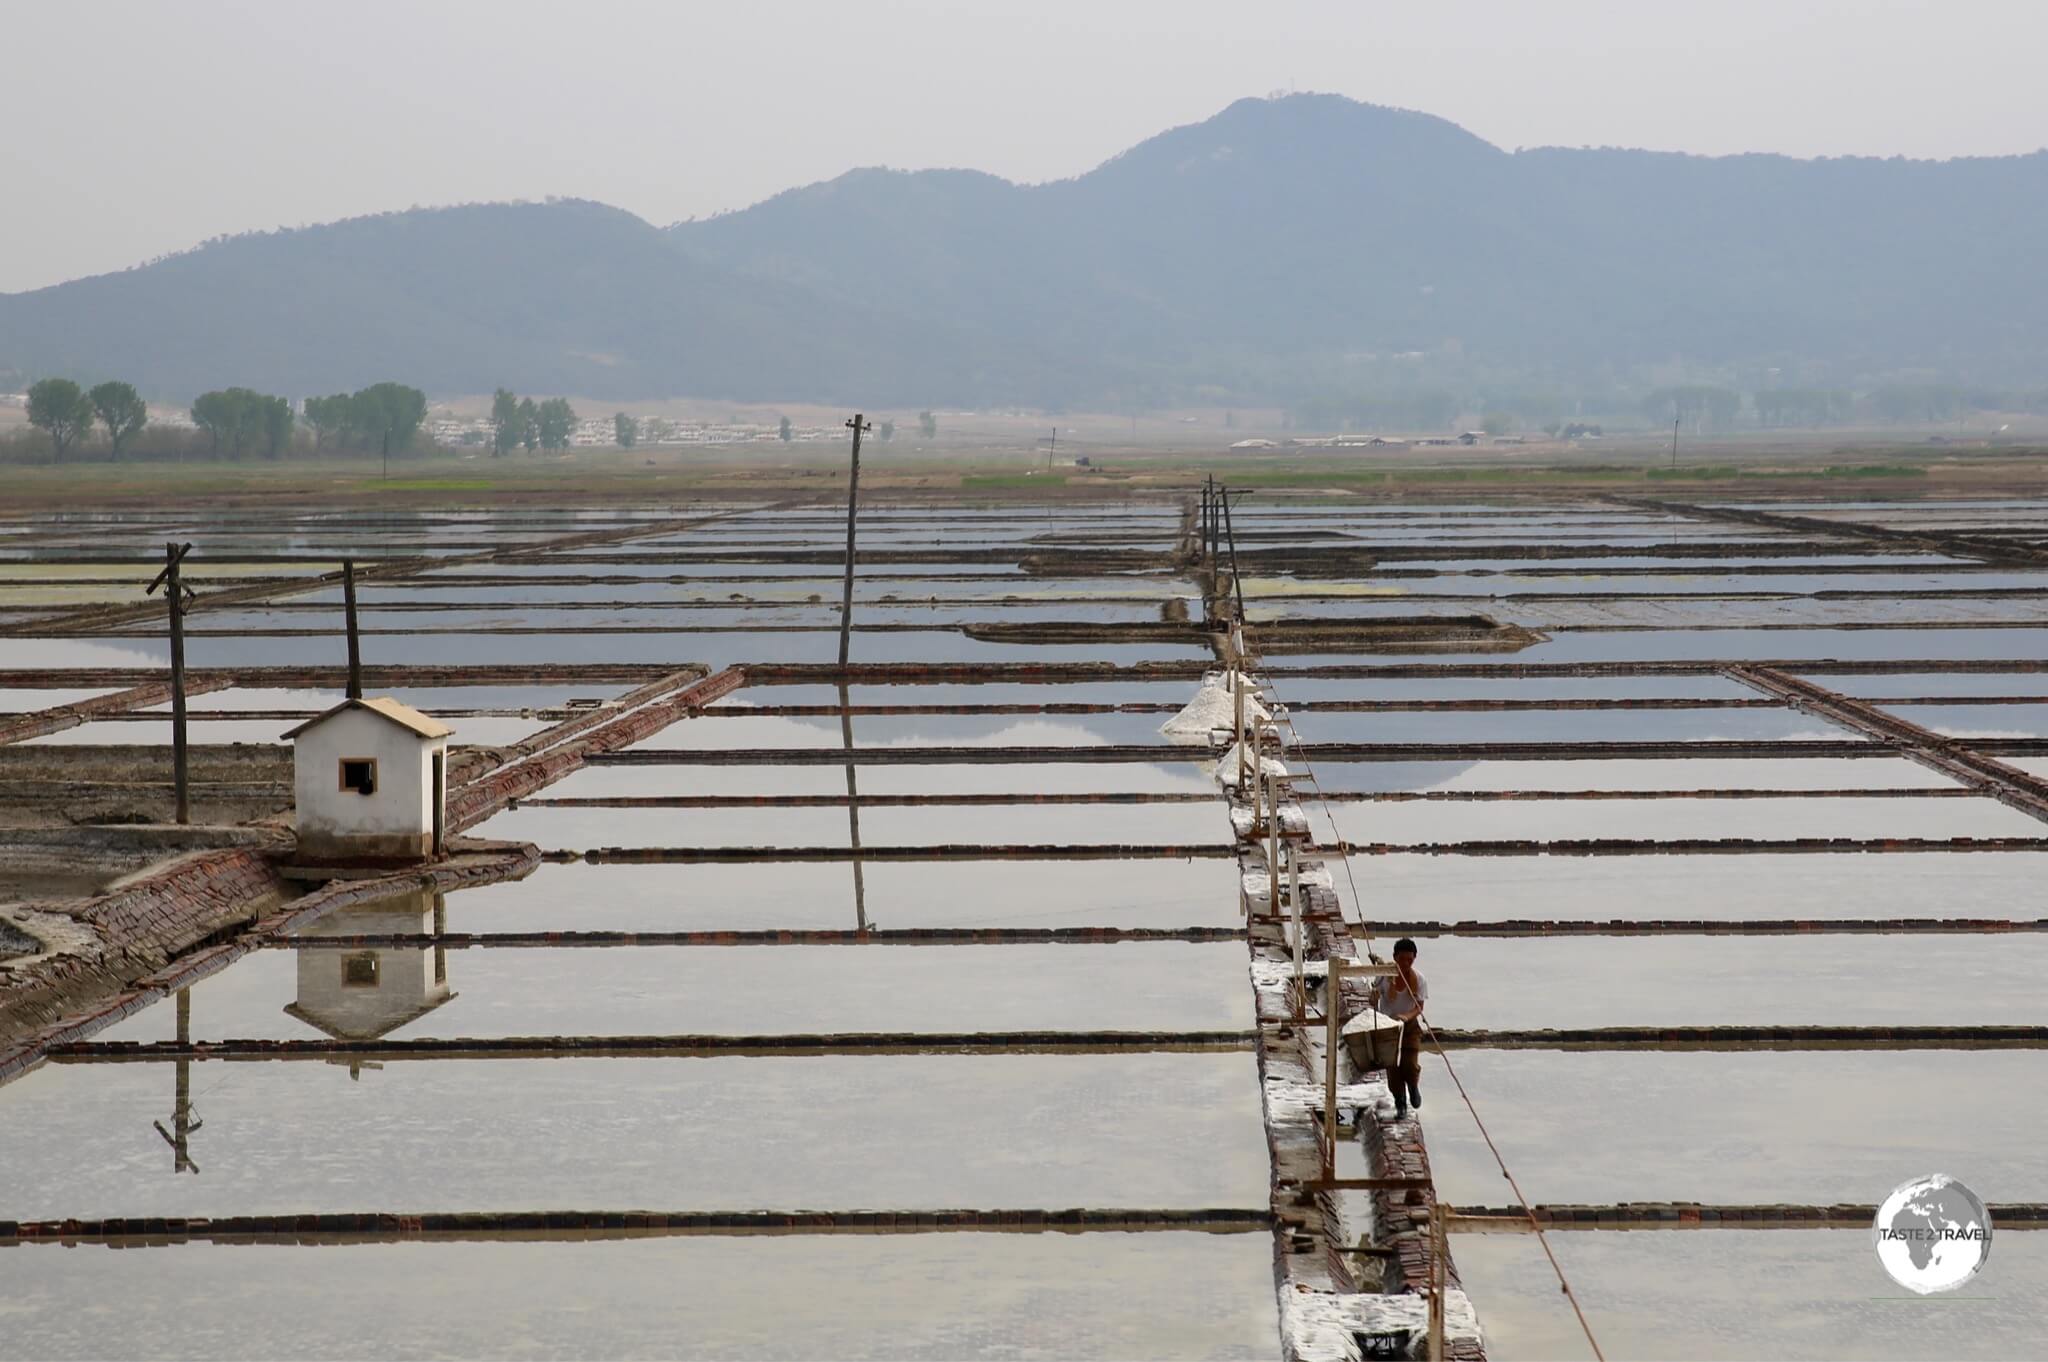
x: 860, y: 896
x: 179, y: 1136
x: 440, y: 931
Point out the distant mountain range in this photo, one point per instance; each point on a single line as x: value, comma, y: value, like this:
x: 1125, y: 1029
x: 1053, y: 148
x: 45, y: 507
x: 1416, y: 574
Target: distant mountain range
x: 1283, y: 250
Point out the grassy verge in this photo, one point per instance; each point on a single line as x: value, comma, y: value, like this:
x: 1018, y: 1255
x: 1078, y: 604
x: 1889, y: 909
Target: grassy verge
x: 1719, y: 472
x: 675, y: 480
x: 982, y: 482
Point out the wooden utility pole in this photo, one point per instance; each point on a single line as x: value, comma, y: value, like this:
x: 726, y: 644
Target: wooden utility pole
x: 1209, y: 519
x: 1236, y: 582
x: 176, y: 595
x: 858, y: 427
x: 1674, y: 444
x: 355, y: 645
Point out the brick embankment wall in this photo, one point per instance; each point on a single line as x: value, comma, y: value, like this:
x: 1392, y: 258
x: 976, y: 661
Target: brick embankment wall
x: 115, y: 953
x: 1329, y: 1294
x: 1394, y: 1149
x: 488, y: 794
x: 143, y: 762
x: 148, y: 932
x: 131, y: 931
x: 498, y: 1226
x: 78, y: 784
x: 57, y: 718
x: 476, y: 762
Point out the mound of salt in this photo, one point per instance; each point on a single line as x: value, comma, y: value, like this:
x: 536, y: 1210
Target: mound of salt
x: 1214, y: 707
x: 1226, y: 767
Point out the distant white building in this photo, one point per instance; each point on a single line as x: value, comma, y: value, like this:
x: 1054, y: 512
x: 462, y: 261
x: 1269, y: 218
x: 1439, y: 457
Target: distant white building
x: 371, y: 780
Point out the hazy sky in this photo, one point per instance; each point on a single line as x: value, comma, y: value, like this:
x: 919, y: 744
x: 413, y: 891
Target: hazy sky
x: 137, y: 128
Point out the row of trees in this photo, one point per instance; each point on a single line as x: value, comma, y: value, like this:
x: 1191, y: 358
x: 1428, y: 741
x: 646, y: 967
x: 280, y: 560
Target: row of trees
x: 67, y: 412
x: 379, y: 418
x: 235, y: 421
x: 517, y: 421
x: 239, y: 420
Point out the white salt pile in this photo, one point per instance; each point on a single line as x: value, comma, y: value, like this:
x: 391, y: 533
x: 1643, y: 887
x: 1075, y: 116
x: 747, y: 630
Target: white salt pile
x: 1214, y: 707
x: 1226, y: 767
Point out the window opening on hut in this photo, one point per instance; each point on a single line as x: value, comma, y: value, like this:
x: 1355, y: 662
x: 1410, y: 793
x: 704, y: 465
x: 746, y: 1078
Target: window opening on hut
x: 359, y: 971
x: 359, y: 774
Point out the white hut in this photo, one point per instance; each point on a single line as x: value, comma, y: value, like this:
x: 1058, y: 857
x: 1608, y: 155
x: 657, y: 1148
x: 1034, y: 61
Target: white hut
x: 371, y: 779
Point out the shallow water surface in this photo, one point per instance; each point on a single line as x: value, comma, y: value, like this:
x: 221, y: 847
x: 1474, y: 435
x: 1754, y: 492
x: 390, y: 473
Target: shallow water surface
x: 1125, y: 1129
x: 941, y: 1296
x: 820, y: 1132
x: 1727, y: 1294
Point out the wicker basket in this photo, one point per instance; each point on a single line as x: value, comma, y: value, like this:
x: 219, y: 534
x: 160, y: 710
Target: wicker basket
x: 1373, y: 1040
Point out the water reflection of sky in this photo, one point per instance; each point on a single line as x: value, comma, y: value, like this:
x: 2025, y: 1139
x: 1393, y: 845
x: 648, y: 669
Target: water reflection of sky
x: 1784, y: 885
x: 1059, y: 1130
x: 1168, y: 1130
x: 1747, y: 1127
x: 712, y: 896
x: 942, y: 1296
x: 682, y: 990
x: 1732, y: 1294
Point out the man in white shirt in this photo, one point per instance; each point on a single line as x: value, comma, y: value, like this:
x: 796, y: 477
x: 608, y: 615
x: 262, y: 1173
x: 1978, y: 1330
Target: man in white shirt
x: 1401, y: 997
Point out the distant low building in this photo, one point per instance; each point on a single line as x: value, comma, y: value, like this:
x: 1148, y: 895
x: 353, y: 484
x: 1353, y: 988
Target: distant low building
x: 1256, y: 444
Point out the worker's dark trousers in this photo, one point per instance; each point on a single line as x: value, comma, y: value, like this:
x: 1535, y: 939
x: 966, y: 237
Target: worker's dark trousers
x: 1407, y: 1072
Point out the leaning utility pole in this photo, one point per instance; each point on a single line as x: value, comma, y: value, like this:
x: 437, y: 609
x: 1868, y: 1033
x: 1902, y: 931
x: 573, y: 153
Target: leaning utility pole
x: 1223, y: 495
x: 176, y: 595
x: 858, y: 427
x: 860, y: 908
x: 355, y: 646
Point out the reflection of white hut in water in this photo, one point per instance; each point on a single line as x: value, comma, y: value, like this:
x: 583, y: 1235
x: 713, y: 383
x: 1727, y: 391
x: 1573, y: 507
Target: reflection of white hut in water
x: 367, y: 994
